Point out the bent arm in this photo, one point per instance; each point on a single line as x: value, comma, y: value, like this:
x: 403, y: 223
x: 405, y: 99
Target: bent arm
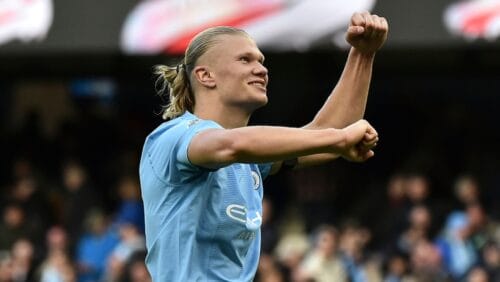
x: 357, y: 151
x: 347, y: 102
x: 216, y: 148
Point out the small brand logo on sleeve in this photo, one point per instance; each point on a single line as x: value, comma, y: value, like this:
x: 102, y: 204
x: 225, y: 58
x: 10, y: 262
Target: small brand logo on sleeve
x: 193, y: 122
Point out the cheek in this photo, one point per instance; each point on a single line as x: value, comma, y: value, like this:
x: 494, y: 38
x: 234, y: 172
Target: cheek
x: 233, y: 81
x: 226, y: 77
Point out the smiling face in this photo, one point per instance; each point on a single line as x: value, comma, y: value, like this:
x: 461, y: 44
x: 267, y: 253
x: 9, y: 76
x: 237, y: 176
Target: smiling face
x: 235, y: 64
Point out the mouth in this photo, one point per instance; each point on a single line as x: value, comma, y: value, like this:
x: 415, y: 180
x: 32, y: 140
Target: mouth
x: 259, y: 84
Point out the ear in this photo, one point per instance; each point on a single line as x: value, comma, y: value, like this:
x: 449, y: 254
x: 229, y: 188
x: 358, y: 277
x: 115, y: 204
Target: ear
x: 204, y: 76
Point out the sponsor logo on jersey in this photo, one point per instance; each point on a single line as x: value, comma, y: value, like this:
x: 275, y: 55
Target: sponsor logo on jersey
x: 246, y: 235
x: 252, y: 220
x: 237, y: 212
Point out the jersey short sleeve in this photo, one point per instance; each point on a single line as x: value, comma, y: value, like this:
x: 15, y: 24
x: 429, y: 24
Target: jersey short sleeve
x: 165, y: 151
x: 193, y: 127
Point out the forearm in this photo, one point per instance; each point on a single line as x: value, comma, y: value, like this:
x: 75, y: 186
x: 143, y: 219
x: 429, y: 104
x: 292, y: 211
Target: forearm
x: 360, y: 138
x: 256, y: 144
x: 345, y: 105
x: 306, y: 161
x: 347, y: 102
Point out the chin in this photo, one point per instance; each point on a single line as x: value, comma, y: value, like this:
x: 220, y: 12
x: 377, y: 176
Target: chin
x: 256, y: 104
x: 262, y: 101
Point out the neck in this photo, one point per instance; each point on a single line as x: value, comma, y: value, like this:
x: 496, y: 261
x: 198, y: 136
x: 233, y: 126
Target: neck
x: 227, y: 117
x: 209, y: 107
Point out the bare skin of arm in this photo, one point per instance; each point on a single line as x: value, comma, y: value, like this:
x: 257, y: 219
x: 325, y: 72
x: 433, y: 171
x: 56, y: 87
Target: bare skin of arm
x: 215, y: 148
x: 347, y: 102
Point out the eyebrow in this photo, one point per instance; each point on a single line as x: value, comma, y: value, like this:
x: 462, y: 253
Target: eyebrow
x: 260, y: 56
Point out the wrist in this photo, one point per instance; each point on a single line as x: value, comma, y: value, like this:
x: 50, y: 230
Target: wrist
x: 363, y: 55
x: 340, y: 138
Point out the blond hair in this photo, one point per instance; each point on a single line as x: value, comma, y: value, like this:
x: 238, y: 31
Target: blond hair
x: 175, y: 81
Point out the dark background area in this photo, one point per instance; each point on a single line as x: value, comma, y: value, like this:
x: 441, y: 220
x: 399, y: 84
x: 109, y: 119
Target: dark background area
x: 435, y: 109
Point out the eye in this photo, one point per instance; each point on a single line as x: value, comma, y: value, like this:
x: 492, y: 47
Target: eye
x: 244, y: 59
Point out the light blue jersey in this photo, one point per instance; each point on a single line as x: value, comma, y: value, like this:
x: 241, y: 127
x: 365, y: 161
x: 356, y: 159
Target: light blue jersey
x: 201, y: 225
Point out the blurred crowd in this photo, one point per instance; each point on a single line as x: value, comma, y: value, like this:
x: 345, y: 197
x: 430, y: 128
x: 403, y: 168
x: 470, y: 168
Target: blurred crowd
x: 71, y: 210
x: 66, y: 233
x: 411, y: 237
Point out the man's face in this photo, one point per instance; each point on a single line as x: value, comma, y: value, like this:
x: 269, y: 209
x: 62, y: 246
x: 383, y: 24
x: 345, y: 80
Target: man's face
x: 236, y: 65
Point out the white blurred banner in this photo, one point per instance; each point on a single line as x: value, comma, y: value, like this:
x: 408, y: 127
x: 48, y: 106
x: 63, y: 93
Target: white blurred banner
x: 156, y: 26
x: 139, y: 27
x: 474, y: 19
x: 24, y: 20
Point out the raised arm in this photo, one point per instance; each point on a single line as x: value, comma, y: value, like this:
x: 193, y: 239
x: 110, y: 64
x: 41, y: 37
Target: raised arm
x: 256, y: 144
x: 347, y: 101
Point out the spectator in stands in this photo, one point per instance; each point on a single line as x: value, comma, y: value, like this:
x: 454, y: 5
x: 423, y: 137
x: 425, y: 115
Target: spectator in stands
x: 23, y: 260
x: 466, y: 190
x: 57, y: 265
x: 95, y: 247
x: 290, y: 251
x: 458, y: 252
x: 13, y: 225
x: 269, y: 270
x: 5, y: 266
x: 397, y: 269
x: 353, y: 240
x: 130, y: 207
x: 27, y: 192
x: 78, y: 198
x: 426, y: 262
x: 478, y: 274
x: 131, y: 241
x: 491, y: 260
x: 419, y: 220
x: 323, y: 263
x: 135, y: 270
x: 389, y: 216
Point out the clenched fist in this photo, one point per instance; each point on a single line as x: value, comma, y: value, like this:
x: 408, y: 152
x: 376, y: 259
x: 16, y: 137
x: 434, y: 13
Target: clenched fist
x: 367, y: 32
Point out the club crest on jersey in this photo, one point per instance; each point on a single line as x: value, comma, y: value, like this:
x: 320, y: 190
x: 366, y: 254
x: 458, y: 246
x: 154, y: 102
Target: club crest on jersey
x: 256, y: 180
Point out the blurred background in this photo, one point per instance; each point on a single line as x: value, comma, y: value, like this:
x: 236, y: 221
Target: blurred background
x: 77, y: 99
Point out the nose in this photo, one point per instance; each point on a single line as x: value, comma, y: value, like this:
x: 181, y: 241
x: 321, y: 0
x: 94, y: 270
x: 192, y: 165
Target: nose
x: 260, y: 70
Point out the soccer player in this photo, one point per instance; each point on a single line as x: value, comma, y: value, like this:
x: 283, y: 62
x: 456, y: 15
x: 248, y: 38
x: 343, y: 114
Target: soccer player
x: 201, y: 171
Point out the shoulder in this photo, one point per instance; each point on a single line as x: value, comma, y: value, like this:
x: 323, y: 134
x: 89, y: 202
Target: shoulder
x: 176, y: 128
x: 183, y: 123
